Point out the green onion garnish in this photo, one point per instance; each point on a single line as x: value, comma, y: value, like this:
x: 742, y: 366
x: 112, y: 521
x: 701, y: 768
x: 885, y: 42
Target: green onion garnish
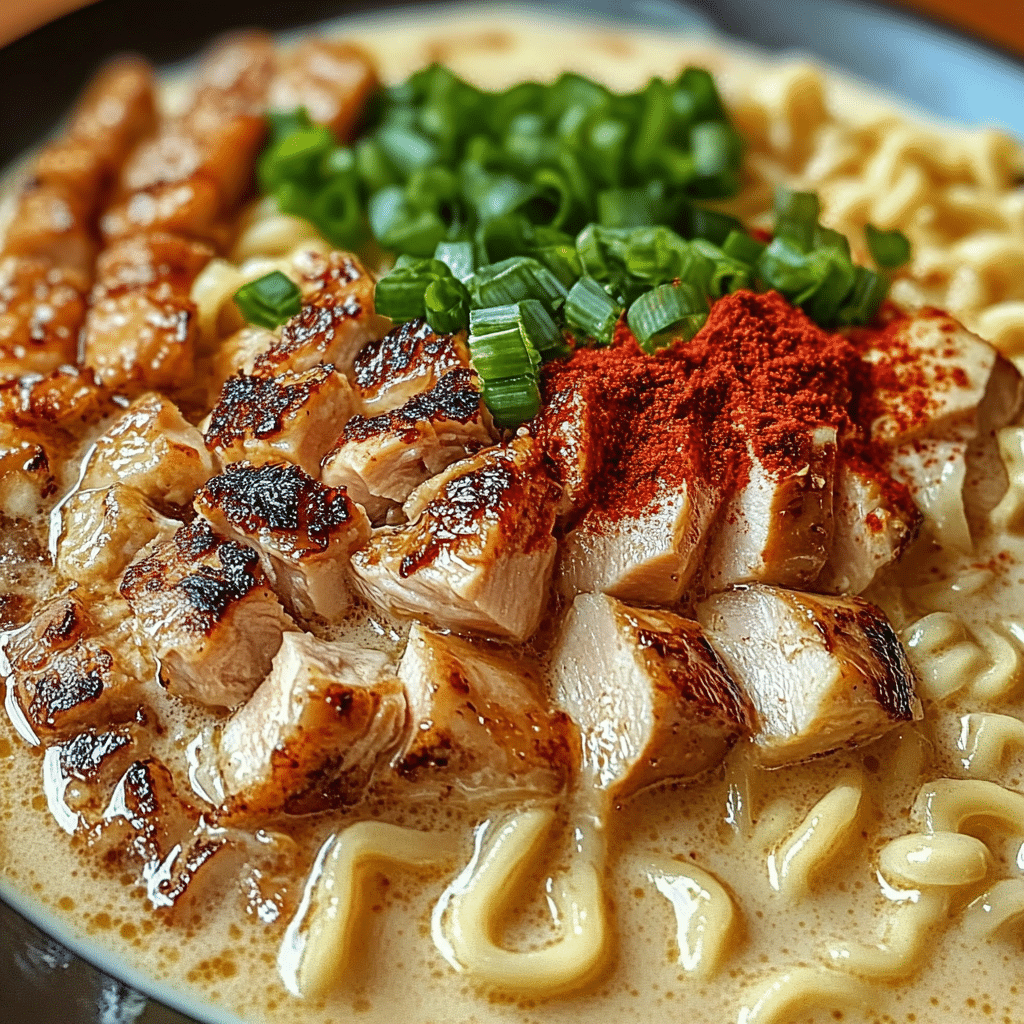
x: 502, y: 354
x: 889, y: 249
x: 512, y: 401
x: 590, y: 309
x: 269, y: 301
x: 667, y: 313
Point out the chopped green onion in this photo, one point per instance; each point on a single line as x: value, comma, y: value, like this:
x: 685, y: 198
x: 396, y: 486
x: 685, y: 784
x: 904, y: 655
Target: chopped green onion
x: 796, y: 217
x: 446, y: 303
x: 706, y: 104
x: 700, y: 222
x: 503, y: 354
x: 627, y: 208
x: 400, y: 294
x: 889, y: 249
x: 512, y: 401
x: 283, y: 122
x: 269, y: 301
x: 295, y: 157
x: 666, y: 313
x: 458, y: 256
x: 715, y: 147
x: 590, y: 309
x: 338, y: 214
x: 514, y: 279
x: 493, y: 319
x: 741, y: 246
x: 862, y: 304
x: 540, y: 329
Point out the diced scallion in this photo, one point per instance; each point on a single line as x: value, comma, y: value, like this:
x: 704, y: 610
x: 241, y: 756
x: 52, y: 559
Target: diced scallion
x: 667, y: 313
x: 889, y: 249
x: 270, y: 300
x: 513, y: 400
x: 591, y: 310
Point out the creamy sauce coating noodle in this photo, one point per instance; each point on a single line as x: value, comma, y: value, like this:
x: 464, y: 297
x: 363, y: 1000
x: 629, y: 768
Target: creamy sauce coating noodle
x: 881, y: 884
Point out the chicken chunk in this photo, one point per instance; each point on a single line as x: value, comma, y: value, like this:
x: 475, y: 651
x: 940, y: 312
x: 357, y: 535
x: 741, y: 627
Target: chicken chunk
x: 315, y: 733
x: 480, y: 727
x: 822, y: 672
x: 103, y: 530
x: 295, y: 416
x: 650, y: 556
x: 304, y: 531
x: 42, y: 308
x: 28, y: 478
x: 204, y: 605
x: 154, y: 449
x: 934, y: 472
x: 62, y: 403
x: 382, y: 459
x: 480, y: 554
x: 335, y: 322
x: 331, y: 79
x: 874, y: 522
x: 649, y: 694
x: 777, y: 528
x: 409, y: 359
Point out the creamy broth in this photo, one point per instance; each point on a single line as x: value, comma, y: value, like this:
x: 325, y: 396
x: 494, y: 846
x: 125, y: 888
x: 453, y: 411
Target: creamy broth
x: 804, y: 901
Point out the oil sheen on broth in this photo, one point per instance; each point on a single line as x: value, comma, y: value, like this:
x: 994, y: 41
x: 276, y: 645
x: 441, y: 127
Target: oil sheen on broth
x: 798, y: 920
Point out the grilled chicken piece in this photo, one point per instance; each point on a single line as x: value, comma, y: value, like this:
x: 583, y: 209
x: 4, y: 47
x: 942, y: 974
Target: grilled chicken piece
x: 934, y: 472
x: 479, y: 724
x: 409, y: 359
x: 331, y: 79
x: 188, y: 178
x: 648, y: 557
x: 480, y: 553
x: 316, y: 732
x: 821, y: 672
x: 649, y: 694
x: 777, y: 528
x: 874, y: 521
x: 103, y: 530
x: 294, y: 416
x: 67, y: 674
x: 154, y: 449
x: 238, y: 352
x: 931, y: 377
x: 27, y: 477
x: 42, y: 308
x: 304, y: 531
x: 382, y: 459
x: 204, y: 605
x: 141, y: 328
x: 62, y: 403
x: 335, y: 322
x: 55, y: 219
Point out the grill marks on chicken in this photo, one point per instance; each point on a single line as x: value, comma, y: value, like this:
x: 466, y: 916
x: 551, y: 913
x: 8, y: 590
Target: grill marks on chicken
x: 205, y: 606
x: 305, y: 532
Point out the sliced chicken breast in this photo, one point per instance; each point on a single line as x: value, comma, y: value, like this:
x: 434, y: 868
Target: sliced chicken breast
x: 822, y: 672
x: 295, y: 416
x: 777, y: 528
x: 409, y: 359
x: 650, y: 696
x: 934, y: 472
x: 480, y: 553
x: 152, y: 448
x: 650, y: 556
x: 381, y: 459
x: 316, y: 732
x: 874, y: 522
x: 480, y: 728
x: 305, y: 532
x: 204, y: 605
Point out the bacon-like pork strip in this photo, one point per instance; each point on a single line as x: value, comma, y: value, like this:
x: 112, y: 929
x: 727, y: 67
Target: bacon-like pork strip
x: 294, y: 416
x: 152, y: 448
x: 777, y: 527
x: 479, y: 554
x: 331, y: 79
x: 822, y: 672
x: 304, y: 531
x: 336, y: 320
x: 480, y: 728
x: 324, y: 722
x: 204, y: 605
x: 382, y: 459
x: 409, y: 359
x: 649, y: 556
x: 651, y: 697
x: 56, y: 215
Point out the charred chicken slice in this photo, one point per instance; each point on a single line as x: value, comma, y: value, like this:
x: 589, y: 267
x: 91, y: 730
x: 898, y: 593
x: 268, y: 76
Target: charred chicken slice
x: 382, y: 459
x: 304, y: 531
x: 822, y: 672
x: 650, y: 696
x: 315, y: 733
x: 478, y: 556
x: 204, y: 605
x: 480, y: 728
x: 409, y: 359
x: 294, y: 416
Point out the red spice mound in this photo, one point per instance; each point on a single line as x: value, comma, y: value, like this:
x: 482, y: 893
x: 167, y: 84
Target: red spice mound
x: 759, y: 373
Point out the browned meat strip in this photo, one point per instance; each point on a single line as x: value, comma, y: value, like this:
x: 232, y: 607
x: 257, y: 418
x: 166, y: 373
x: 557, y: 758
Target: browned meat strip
x: 203, y: 604
x: 320, y: 727
x: 382, y: 459
x: 304, y: 531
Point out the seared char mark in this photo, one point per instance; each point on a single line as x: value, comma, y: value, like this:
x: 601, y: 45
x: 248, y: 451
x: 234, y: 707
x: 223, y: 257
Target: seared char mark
x: 86, y: 756
x: 277, y: 497
x: 211, y: 591
x: 316, y: 334
x: 334, y: 274
x: 72, y: 680
x: 56, y: 626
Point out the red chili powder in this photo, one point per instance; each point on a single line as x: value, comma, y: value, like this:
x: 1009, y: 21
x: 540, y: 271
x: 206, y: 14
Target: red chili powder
x: 759, y: 373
